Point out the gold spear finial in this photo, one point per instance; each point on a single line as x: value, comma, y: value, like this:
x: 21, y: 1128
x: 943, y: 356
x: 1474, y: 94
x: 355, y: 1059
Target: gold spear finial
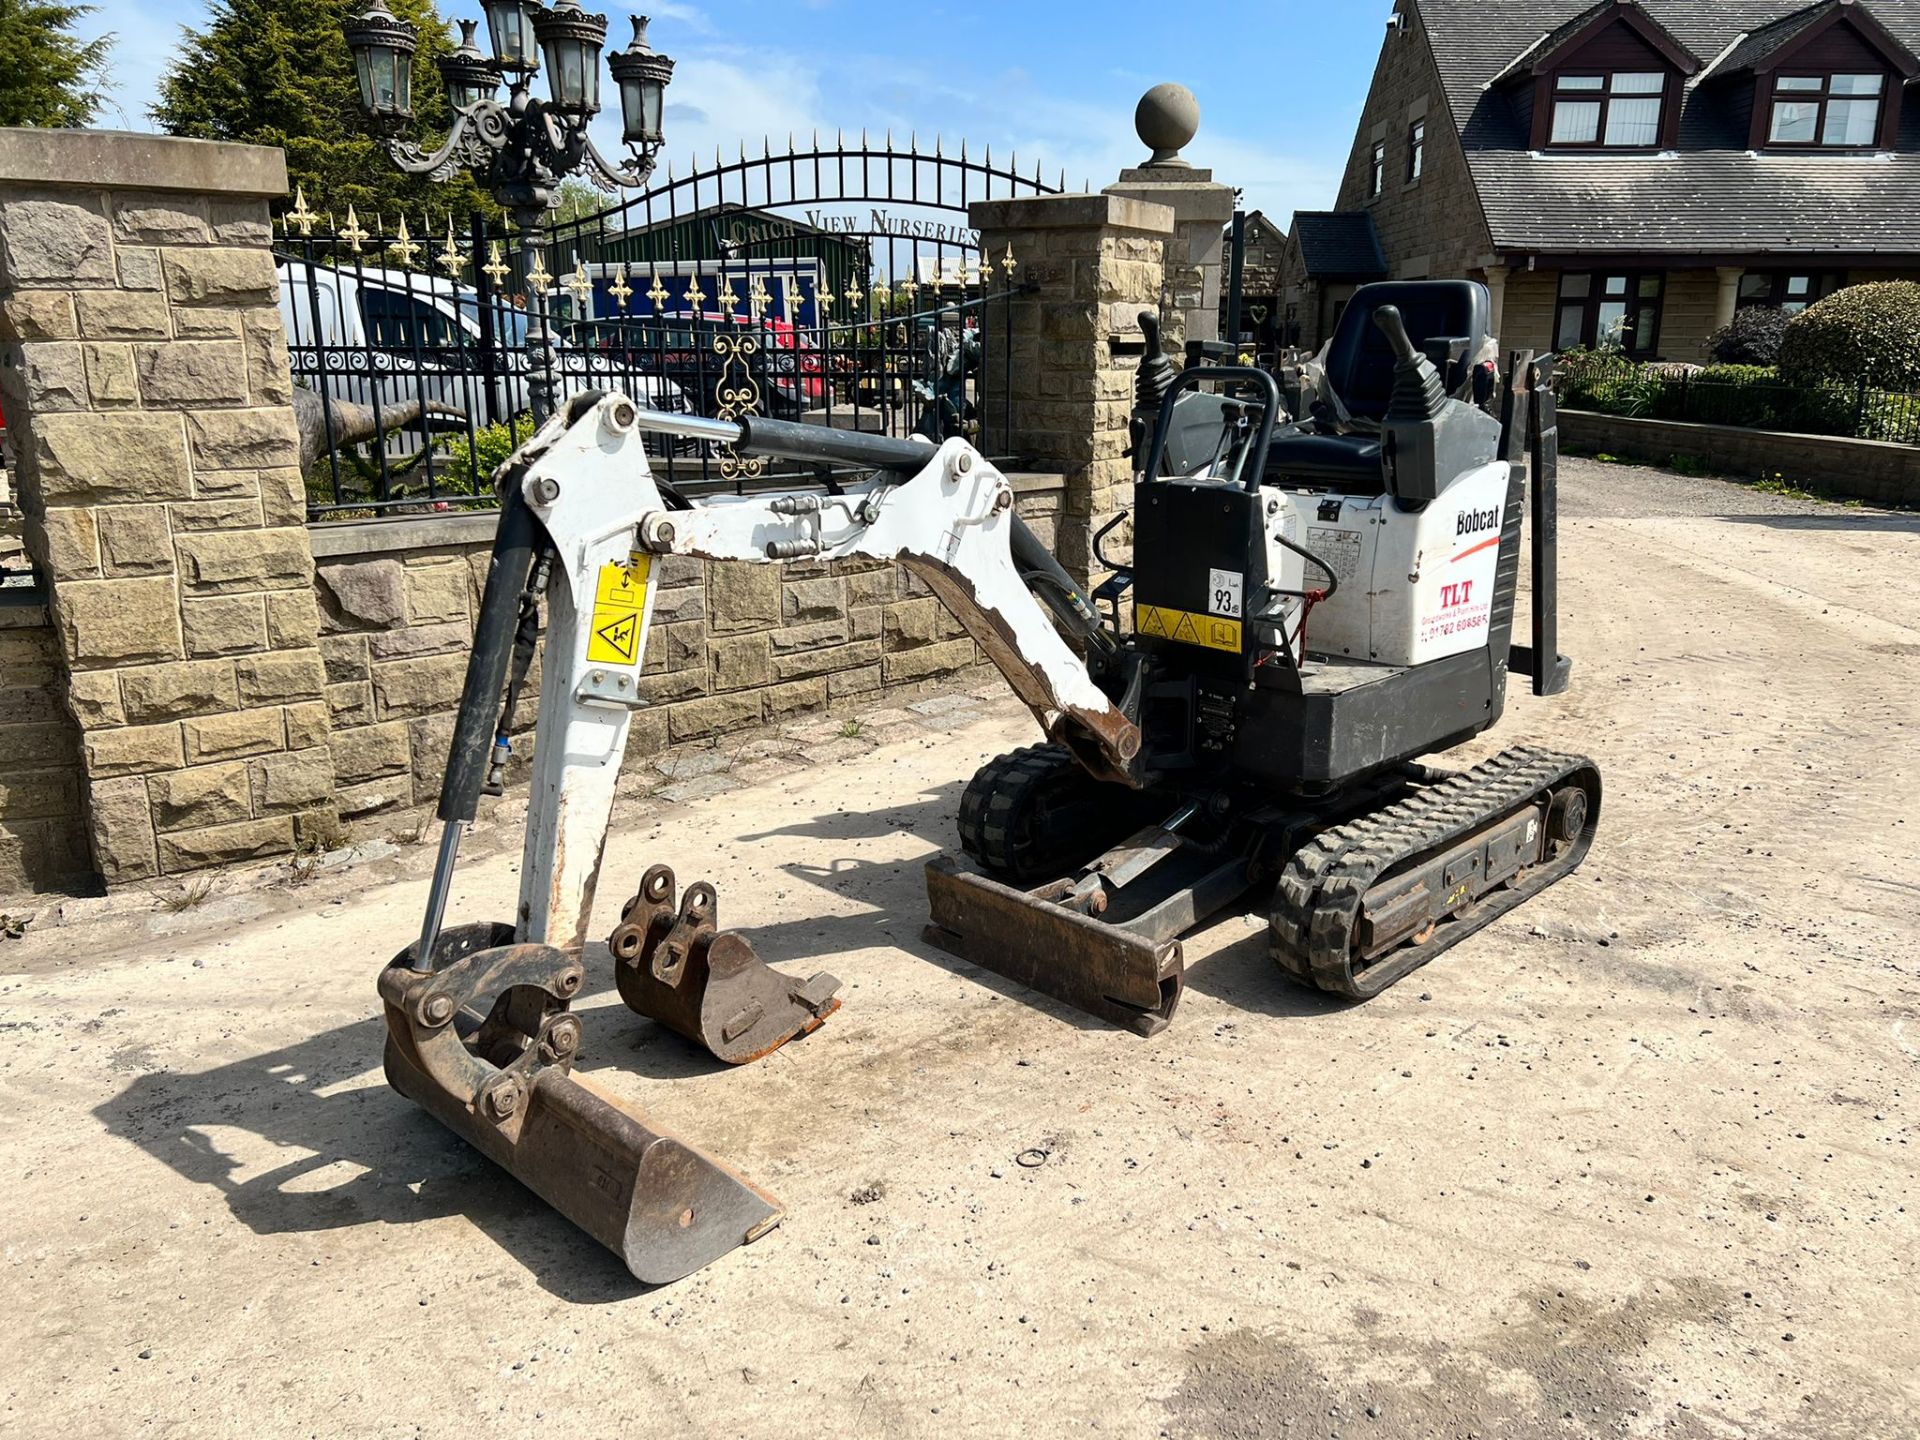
x: 496, y: 268
x: 300, y: 215
x: 403, y: 245
x: 539, y: 279
x: 450, y: 258
x: 619, y: 289
x: 578, y: 284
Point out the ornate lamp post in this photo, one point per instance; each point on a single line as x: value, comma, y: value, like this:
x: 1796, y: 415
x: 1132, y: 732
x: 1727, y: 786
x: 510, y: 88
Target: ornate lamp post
x: 523, y: 147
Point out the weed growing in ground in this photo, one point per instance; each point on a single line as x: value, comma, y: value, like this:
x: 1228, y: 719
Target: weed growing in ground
x: 851, y: 730
x: 304, y: 866
x: 190, y: 896
x: 1778, y: 484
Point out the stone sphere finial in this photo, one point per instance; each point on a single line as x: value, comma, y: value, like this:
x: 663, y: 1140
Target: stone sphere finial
x: 1166, y: 118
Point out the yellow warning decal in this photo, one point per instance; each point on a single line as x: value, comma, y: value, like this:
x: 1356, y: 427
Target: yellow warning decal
x: 1209, y: 631
x: 618, y: 602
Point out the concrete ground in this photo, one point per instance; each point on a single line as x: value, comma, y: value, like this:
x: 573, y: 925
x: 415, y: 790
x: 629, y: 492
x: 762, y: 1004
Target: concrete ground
x: 1638, y: 1160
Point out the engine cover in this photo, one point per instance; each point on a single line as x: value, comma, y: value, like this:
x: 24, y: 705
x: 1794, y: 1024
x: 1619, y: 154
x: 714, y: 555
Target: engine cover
x: 1415, y: 584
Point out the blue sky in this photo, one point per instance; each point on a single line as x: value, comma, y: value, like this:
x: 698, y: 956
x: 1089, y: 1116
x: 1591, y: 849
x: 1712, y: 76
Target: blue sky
x: 1054, y: 80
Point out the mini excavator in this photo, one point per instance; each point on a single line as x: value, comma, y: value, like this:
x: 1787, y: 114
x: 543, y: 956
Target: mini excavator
x: 1317, y: 600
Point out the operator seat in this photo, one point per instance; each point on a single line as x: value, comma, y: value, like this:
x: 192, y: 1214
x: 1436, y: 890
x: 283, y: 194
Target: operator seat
x: 1360, y: 371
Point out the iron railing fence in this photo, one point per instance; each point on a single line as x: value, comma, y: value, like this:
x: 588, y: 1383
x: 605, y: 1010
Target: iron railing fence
x: 417, y: 385
x: 838, y: 285
x: 1857, y: 411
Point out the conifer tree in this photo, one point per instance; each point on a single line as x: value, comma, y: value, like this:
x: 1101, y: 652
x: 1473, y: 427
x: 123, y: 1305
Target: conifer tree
x: 47, y: 75
x: 278, y: 72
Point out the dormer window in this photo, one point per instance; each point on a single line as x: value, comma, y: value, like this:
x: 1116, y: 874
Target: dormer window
x: 1609, y: 79
x: 1838, y: 112
x: 1619, y: 110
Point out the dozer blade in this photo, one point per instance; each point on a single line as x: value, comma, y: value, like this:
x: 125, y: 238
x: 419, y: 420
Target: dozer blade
x: 678, y: 968
x: 498, y: 1077
x: 1128, y: 979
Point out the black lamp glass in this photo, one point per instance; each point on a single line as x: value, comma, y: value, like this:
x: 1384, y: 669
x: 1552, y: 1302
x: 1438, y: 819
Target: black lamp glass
x: 570, y: 41
x: 382, y: 45
x: 511, y: 29
x: 469, y: 76
x: 642, y: 77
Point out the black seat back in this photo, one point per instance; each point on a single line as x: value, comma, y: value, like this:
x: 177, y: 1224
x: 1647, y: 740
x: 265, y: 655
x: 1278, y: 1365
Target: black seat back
x: 1360, y: 362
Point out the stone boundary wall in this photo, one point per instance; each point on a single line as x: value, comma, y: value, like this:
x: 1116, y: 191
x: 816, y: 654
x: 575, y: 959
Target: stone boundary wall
x: 43, y: 837
x: 148, y: 401
x: 731, y: 646
x: 205, y: 678
x: 1870, y: 469
x: 1072, y: 343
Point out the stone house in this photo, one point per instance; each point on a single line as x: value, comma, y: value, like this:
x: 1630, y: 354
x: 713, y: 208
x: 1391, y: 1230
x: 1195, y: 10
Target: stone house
x: 1327, y: 255
x: 1633, y: 171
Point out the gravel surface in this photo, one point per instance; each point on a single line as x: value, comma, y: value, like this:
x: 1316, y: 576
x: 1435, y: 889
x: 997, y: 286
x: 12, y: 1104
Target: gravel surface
x: 1595, y: 487
x: 1637, y: 1160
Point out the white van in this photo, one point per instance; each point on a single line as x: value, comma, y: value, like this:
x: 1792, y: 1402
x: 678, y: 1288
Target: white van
x: 382, y: 338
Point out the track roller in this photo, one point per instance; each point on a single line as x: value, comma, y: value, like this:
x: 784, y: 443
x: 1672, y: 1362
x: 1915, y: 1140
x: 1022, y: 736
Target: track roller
x: 1365, y: 903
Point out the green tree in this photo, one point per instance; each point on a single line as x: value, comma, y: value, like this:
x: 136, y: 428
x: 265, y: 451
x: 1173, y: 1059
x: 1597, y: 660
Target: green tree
x: 278, y: 72
x: 47, y: 75
x: 575, y: 200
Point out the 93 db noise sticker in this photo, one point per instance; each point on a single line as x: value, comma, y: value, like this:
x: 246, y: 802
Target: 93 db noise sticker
x: 619, y: 600
x: 1224, y: 589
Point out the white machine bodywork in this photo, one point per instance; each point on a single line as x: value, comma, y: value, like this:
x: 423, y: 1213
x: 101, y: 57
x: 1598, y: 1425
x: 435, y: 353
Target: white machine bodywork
x: 1414, y: 585
x: 593, y: 490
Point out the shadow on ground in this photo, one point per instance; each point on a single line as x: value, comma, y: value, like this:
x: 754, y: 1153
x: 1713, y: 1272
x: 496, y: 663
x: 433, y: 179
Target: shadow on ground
x: 366, y: 1156
x: 1846, y: 520
x: 396, y: 1165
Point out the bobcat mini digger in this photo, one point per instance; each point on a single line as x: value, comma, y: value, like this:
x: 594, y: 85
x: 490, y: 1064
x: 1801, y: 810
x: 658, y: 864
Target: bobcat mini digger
x: 1315, y: 603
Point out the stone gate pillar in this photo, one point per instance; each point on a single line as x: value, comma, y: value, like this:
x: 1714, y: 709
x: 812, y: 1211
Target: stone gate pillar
x: 1095, y: 261
x: 145, y: 382
x: 1168, y: 117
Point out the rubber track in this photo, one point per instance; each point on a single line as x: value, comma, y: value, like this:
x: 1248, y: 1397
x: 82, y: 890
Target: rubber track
x: 1317, y: 901
x: 991, y: 804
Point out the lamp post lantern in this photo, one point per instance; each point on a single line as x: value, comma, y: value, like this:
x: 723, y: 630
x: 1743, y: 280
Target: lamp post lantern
x: 523, y: 147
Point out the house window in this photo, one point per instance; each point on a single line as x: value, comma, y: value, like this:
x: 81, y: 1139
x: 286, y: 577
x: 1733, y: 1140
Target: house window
x: 1791, y: 291
x: 1619, y: 110
x: 1416, y: 150
x: 1827, y: 111
x: 1609, y: 311
x: 1377, y: 179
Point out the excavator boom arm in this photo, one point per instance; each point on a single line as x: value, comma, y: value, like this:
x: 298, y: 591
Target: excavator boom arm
x: 951, y: 522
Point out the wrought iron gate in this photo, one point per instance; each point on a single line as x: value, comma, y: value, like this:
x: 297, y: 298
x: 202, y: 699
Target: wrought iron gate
x: 839, y: 285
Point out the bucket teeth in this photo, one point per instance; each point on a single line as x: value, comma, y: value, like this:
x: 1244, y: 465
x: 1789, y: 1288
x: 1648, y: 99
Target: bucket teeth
x: 675, y: 966
x: 503, y: 1084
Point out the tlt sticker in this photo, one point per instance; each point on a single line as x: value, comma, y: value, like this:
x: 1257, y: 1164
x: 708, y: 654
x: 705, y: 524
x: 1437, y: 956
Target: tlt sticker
x: 1223, y: 592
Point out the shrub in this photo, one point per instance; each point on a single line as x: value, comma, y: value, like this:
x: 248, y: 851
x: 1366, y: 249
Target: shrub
x: 469, y: 464
x: 1752, y: 339
x: 1606, y: 381
x: 1865, y: 334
